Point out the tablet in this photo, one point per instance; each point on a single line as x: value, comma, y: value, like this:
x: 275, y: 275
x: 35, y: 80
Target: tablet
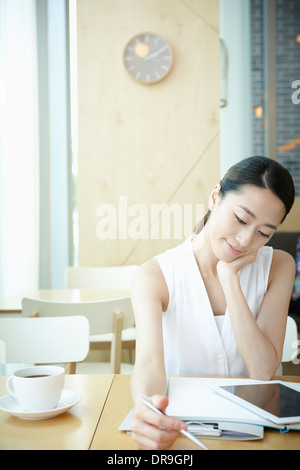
x: 274, y: 400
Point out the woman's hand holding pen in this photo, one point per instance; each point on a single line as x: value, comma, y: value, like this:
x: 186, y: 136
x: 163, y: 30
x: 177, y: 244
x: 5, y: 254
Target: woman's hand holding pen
x: 154, y: 431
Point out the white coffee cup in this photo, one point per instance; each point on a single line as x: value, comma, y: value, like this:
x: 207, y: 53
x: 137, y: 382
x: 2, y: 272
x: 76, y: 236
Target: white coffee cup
x: 37, y: 388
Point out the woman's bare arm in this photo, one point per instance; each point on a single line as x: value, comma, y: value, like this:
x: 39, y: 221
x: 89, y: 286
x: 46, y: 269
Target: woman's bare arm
x: 260, y: 342
x: 149, y: 300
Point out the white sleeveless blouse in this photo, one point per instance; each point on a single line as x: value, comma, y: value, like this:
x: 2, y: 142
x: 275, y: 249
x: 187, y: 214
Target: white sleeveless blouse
x: 195, y: 341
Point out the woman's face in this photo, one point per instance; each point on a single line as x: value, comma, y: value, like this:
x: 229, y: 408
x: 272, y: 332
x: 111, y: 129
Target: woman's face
x: 243, y: 221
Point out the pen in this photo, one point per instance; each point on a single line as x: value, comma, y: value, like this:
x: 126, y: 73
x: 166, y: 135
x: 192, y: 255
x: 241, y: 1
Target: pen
x: 185, y: 433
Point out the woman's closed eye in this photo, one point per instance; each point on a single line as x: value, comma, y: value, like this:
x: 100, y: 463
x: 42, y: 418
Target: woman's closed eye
x: 240, y: 221
x: 265, y: 235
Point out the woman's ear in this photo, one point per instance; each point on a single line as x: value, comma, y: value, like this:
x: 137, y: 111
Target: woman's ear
x: 213, y: 198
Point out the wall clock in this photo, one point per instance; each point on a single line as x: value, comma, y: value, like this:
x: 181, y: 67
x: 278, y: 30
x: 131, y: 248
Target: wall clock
x: 148, y: 58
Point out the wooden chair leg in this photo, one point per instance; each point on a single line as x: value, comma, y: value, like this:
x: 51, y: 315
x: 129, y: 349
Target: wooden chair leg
x: 116, y: 345
x: 70, y: 367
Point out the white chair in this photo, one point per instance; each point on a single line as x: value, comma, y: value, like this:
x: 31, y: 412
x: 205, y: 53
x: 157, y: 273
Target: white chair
x: 45, y: 340
x: 104, y: 316
x: 104, y: 277
x: 290, y: 341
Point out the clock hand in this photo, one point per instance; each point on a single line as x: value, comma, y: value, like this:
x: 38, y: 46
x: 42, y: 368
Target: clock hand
x: 156, y: 53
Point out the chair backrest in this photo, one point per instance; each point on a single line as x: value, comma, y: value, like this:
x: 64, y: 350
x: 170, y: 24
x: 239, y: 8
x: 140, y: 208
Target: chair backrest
x: 104, y: 277
x: 290, y: 341
x: 100, y: 314
x: 104, y: 316
x: 44, y: 340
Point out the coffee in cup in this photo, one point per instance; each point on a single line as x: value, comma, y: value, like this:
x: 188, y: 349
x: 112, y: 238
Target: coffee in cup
x: 37, y: 388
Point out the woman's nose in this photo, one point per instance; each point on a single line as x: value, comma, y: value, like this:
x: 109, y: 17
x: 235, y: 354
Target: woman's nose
x: 244, y: 237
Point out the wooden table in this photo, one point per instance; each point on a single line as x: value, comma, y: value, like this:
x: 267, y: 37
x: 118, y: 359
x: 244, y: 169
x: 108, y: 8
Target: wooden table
x: 93, y: 423
x: 119, y: 403
x: 14, y: 303
x: 69, y: 431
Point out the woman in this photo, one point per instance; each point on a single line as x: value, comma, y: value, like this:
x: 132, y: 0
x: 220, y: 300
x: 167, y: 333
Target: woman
x: 216, y: 304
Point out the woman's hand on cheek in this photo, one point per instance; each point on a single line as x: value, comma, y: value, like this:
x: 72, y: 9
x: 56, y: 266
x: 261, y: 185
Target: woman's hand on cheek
x: 228, y: 270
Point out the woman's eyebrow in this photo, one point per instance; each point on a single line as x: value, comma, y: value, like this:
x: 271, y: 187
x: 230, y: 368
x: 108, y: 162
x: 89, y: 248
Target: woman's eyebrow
x: 254, y: 217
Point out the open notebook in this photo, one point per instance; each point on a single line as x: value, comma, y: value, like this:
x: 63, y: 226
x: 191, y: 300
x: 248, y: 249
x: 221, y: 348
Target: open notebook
x: 209, y: 414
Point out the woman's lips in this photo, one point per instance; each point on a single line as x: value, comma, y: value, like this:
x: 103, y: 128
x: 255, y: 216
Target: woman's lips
x: 232, y: 249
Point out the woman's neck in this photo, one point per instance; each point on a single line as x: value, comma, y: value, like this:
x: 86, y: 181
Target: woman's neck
x: 206, y: 259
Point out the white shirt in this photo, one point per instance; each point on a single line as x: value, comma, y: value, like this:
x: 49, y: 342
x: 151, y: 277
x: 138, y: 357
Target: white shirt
x: 195, y: 341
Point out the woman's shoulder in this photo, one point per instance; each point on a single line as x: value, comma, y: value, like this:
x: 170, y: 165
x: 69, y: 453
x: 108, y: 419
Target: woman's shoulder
x: 283, y: 266
x: 282, y: 259
x: 149, y: 281
x: 278, y: 256
x: 147, y: 270
x: 156, y: 277
x: 275, y: 256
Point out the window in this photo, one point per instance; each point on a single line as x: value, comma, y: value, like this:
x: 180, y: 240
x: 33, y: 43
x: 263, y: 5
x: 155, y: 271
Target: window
x: 285, y: 53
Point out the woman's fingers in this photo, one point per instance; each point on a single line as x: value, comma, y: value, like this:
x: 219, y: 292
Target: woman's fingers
x: 152, y: 430
x: 148, y: 436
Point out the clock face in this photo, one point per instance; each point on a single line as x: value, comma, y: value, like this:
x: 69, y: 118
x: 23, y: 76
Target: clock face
x: 148, y: 58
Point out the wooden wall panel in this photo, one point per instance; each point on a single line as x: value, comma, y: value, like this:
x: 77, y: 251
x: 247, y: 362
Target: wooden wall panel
x: 146, y: 144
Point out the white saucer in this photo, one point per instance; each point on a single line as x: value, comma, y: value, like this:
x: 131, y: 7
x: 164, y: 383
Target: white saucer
x: 68, y: 399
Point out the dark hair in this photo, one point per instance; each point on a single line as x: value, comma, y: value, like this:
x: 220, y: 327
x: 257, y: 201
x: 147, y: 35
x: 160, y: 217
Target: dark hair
x: 262, y: 172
